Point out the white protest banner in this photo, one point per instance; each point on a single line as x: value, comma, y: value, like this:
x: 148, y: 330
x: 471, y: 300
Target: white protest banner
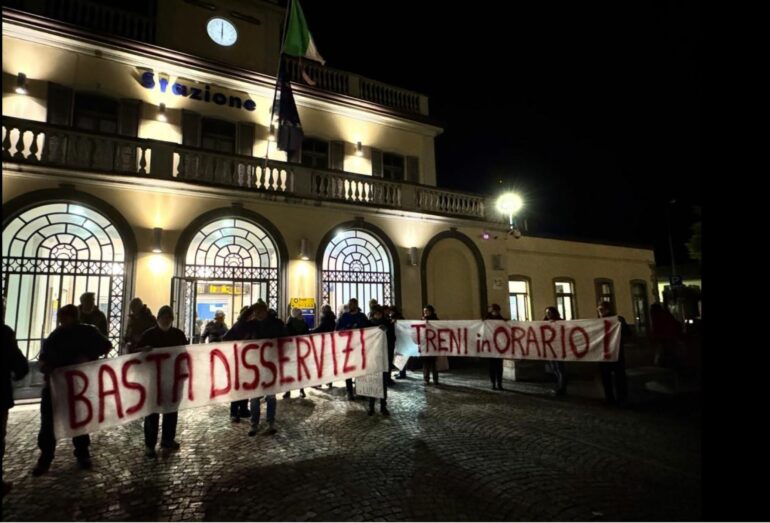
x: 576, y: 340
x: 104, y: 393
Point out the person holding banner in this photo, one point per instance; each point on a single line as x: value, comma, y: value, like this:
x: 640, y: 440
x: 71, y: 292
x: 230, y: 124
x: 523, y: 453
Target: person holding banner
x: 615, y: 368
x: 70, y: 343
x: 246, y: 328
x: 352, y: 319
x: 557, y: 368
x: 328, y: 321
x: 379, y: 320
x: 15, y: 367
x: 267, y: 327
x: 160, y: 336
x: 296, y: 326
x: 429, y: 362
x: 495, y: 364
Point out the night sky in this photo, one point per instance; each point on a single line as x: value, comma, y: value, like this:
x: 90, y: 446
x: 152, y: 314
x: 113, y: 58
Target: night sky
x: 590, y: 110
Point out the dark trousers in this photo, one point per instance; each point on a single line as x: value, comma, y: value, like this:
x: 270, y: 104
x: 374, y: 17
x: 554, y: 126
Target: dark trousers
x: 384, y: 400
x: 3, y: 429
x: 46, y: 439
x: 428, y: 367
x: 618, y: 370
x: 560, y: 370
x: 496, y: 371
x: 239, y: 409
x: 349, y: 386
x: 151, y: 428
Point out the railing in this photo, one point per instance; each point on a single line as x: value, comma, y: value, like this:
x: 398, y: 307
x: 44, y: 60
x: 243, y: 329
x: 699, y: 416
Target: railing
x: 100, y: 17
x: 359, y: 87
x: 30, y: 142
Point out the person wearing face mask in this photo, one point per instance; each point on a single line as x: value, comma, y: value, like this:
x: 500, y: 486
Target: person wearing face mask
x: 162, y: 335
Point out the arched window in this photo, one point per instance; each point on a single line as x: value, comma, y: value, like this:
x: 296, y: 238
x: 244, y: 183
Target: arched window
x: 356, y: 264
x: 230, y: 263
x: 52, y: 254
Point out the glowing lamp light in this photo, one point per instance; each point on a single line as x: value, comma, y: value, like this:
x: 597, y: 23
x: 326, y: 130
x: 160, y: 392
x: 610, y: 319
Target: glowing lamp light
x: 156, y: 237
x: 509, y: 203
x: 162, y: 113
x: 21, y: 83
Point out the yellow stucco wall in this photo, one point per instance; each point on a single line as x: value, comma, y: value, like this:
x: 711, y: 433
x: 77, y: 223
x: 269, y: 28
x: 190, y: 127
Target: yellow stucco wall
x: 146, y: 207
x: 97, y: 72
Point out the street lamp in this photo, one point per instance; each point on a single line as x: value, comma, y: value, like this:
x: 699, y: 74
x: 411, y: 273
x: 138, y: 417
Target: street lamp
x: 509, y: 204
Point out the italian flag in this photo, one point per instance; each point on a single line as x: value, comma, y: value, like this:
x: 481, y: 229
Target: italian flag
x: 298, y: 41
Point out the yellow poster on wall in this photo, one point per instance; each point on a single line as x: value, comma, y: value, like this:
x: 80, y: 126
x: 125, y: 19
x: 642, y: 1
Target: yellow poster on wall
x: 303, y: 303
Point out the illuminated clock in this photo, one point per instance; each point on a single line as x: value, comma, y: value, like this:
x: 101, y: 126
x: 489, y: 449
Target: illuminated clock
x: 222, y: 31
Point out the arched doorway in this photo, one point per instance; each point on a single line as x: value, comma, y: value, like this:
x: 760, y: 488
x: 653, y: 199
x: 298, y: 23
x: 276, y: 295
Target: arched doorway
x: 357, y: 263
x: 454, y: 277
x: 229, y: 262
x: 53, y: 252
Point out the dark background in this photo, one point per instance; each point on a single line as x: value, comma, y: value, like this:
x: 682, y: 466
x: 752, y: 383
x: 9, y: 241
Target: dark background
x: 589, y: 109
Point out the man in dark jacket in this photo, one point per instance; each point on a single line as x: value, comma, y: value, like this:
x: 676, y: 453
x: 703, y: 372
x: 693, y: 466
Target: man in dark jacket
x: 267, y: 327
x: 328, y: 322
x: 70, y: 343
x: 246, y: 328
x: 495, y: 364
x: 352, y: 319
x: 296, y: 326
x: 162, y: 335
x: 90, y: 313
x: 215, y: 330
x: 616, y: 368
x: 14, y: 367
x: 140, y: 318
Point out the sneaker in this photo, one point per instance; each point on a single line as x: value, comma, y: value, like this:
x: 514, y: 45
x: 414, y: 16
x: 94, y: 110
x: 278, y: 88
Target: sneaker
x: 302, y: 393
x: 253, y: 430
x: 235, y: 419
x: 170, y: 445
x: 150, y: 452
x: 41, y: 467
x: 85, y: 463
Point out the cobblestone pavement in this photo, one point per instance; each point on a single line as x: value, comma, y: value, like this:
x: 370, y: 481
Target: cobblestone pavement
x: 456, y: 452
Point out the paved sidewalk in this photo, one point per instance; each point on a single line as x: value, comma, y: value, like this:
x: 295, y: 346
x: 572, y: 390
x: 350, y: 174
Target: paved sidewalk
x: 457, y: 452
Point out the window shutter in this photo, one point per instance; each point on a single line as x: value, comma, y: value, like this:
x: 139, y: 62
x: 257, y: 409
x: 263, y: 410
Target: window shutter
x: 412, y: 169
x: 337, y: 156
x: 129, y: 115
x: 246, y: 132
x: 191, y: 128
x: 376, y: 163
x: 59, y: 104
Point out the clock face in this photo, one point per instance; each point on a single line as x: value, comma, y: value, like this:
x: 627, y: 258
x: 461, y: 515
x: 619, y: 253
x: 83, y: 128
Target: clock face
x: 222, y: 31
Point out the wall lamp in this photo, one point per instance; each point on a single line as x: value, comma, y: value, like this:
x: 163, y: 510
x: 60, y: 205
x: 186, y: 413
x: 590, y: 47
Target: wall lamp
x: 413, y: 256
x: 21, y: 83
x: 303, y: 249
x: 156, y: 237
x: 162, y: 113
x: 271, y: 135
x: 359, y: 149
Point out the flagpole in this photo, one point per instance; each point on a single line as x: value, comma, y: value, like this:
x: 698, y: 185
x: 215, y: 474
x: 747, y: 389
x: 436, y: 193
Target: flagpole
x: 277, y: 80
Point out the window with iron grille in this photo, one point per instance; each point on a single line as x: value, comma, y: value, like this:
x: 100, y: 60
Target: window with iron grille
x: 356, y: 264
x: 52, y: 254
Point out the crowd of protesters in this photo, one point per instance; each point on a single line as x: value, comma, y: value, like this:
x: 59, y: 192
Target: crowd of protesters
x: 81, y: 336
